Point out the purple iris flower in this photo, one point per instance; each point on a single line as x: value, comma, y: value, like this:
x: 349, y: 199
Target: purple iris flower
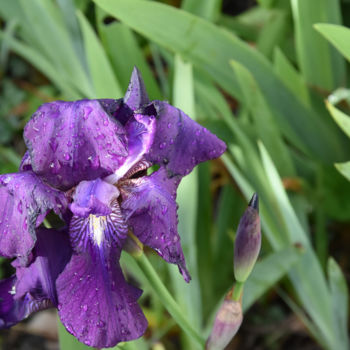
x: 87, y: 161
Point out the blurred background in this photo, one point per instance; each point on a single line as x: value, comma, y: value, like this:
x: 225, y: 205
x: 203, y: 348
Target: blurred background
x: 270, y: 78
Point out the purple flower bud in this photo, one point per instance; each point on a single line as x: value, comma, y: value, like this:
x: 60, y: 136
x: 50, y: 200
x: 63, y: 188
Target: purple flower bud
x: 248, y: 241
x: 227, y: 322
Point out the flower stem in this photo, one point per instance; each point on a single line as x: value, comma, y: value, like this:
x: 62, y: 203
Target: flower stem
x: 166, y: 299
x: 237, y: 291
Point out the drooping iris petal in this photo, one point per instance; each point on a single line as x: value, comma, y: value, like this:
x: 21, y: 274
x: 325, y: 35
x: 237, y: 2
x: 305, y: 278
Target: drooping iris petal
x: 25, y: 201
x: 140, y: 133
x: 74, y: 141
x: 150, y: 209
x: 180, y: 143
x: 33, y: 288
x: 14, y: 310
x: 96, y: 304
x: 136, y: 95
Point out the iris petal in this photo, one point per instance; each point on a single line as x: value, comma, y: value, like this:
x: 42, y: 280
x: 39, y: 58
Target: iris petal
x: 140, y: 132
x: 26, y: 200
x: 74, y: 141
x: 180, y: 143
x: 96, y: 304
x: 14, y: 310
x: 136, y: 95
x: 150, y: 209
x: 33, y: 288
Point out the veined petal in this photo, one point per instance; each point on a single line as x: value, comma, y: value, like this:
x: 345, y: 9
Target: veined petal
x: 140, y: 133
x: 14, y: 310
x: 25, y: 200
x: 93, y: 197
x: 74, y: 141
x: 136, y: 95
x: 150, y: 209
x: 180, y: 143
x: 86, y: 233
x: 96, y: 304
x: 33, y: 287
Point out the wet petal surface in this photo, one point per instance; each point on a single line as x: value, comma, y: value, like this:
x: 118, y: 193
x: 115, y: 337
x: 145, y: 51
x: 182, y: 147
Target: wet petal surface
x: 74, y: 141
x: 33, y: 288
x: 26, y: 200
x: 150, y: 209
x: 180, y: 143
x: 96, y: 304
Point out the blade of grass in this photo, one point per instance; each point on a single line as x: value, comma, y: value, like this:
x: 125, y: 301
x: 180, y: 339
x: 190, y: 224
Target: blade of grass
x: 267, y: 273
x: 212, y: 48
x: 340, y: 300
x: 264, y: 122
x: 320, y: 64
x: 291, y: 77
x: 105, y: 82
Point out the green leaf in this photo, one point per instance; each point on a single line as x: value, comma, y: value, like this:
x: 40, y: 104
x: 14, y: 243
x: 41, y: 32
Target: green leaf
x: 43, y: 65
x: 104, y: 80
x: 209, y: 9
x: 273, y: 33
x: 211, y: 48
x: 320, y: 64
x: 342, y: 119
x: 267, y: 273
x: 340, y: 299
x: 127, y: 46
x: 307, y: 276
x: 291, y: 77
x: 50, y: 37
x: 264, y: 121
x: 337, y: 35
x: 344, y: 169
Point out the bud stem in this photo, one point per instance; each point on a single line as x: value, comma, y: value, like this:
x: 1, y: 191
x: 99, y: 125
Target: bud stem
x: 167, y: 300
x: 237, y: 291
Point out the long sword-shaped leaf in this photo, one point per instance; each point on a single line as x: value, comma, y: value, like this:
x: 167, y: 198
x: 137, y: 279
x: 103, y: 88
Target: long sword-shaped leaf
x: 267, y: 273
x: 104, y: 80
x: 321, y: 65
x: 212, y: 48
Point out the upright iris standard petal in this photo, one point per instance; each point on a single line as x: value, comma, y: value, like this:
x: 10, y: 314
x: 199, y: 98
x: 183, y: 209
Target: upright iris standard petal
x: 33, y: 288
x: 25, y: 201
x: 140, y: 130
x: 180, y: 143
x: 136, y: 96
x: 151, y: 210
x: 74, y: 141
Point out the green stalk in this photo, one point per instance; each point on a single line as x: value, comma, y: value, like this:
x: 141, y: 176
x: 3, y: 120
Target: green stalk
x: 237, y: 291
x: 167, y: 300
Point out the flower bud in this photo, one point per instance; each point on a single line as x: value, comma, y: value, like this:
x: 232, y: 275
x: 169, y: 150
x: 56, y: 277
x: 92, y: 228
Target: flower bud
x: 248, y: 241
x: 227, y: 322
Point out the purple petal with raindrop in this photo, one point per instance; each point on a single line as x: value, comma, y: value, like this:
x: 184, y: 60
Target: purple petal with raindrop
x: 96, y: 304
x: 25, y: 200
x: 180, y: 143
x: 150, y: 209
x: 74, y: 141
x: 136, y: 95
x: 33, y: 288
